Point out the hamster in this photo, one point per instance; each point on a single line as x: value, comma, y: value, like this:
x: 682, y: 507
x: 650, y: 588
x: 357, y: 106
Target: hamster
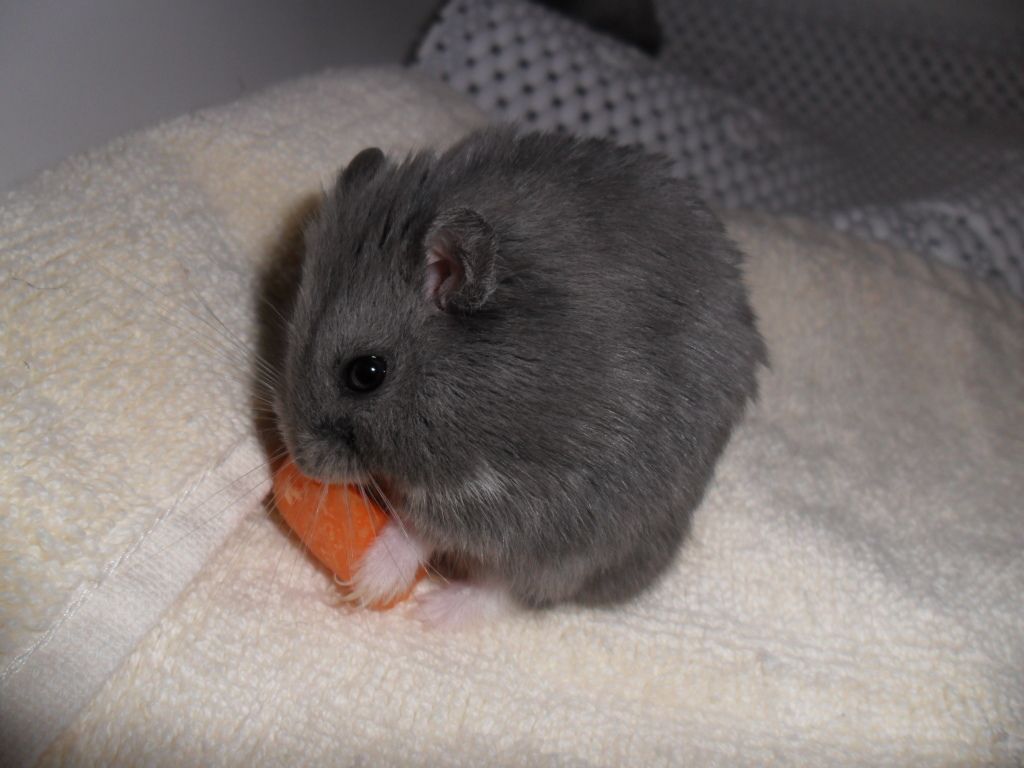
x: 538, y: 345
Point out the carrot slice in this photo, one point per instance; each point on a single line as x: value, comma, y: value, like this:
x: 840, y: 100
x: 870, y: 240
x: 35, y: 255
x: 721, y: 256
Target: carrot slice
x: 336, y: 523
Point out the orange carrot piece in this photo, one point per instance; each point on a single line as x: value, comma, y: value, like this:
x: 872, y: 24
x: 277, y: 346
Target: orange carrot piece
x: 336, y: 523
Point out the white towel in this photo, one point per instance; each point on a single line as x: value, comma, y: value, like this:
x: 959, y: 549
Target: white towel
x: 850, y: 595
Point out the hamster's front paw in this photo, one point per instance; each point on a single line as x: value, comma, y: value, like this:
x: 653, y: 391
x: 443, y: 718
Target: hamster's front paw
x: 388, y: 569
x: 459, y: 604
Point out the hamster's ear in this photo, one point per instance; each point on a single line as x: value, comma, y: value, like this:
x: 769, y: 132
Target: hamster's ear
x: 362, y: 167
x: 461, y: 251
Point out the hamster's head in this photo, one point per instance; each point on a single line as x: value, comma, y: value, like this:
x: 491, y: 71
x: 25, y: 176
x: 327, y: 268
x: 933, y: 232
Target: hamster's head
x: 376, y: 371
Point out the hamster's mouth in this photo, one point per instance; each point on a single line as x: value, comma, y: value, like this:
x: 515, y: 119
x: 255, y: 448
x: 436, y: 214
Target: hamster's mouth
x: 314, y: 462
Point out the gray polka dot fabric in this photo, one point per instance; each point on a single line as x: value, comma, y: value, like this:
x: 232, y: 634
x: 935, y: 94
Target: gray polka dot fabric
x: 908, y: 133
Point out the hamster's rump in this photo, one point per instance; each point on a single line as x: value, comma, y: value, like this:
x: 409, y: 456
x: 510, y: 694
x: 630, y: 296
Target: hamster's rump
x: 563, y: 344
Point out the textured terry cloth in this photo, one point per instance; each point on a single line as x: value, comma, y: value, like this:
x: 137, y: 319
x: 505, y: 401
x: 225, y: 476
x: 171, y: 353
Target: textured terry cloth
x: 127, y: 315
x: 907, y: 129
x: 850, y: 596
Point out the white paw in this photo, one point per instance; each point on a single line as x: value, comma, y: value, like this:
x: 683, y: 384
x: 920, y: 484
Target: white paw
x: 460, y: 604
x: 389, y: 567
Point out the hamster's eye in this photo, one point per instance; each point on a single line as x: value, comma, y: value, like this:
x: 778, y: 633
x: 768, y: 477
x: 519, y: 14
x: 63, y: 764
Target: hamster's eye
x: 365, y: 374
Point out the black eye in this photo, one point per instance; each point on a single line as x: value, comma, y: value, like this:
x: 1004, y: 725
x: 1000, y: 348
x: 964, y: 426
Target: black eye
x: 365, y: 374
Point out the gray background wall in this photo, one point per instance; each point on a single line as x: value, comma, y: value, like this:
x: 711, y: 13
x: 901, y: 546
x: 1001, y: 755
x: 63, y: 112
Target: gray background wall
x: 75, y: 73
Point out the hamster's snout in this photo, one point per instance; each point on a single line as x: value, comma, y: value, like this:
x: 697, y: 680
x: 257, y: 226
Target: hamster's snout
x: 340, y: 432
x: 328, y: 450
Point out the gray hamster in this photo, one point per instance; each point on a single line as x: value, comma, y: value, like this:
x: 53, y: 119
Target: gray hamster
x: 538, y: 345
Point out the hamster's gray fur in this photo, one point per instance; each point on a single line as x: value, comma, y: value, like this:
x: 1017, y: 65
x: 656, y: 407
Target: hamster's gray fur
x: 558, y: 393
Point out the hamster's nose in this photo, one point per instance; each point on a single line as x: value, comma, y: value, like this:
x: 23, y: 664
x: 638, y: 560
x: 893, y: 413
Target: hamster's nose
x: 340, y: 430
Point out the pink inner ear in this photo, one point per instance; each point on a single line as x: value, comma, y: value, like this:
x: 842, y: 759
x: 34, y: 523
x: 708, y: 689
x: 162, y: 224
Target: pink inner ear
x: 443, y: 275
